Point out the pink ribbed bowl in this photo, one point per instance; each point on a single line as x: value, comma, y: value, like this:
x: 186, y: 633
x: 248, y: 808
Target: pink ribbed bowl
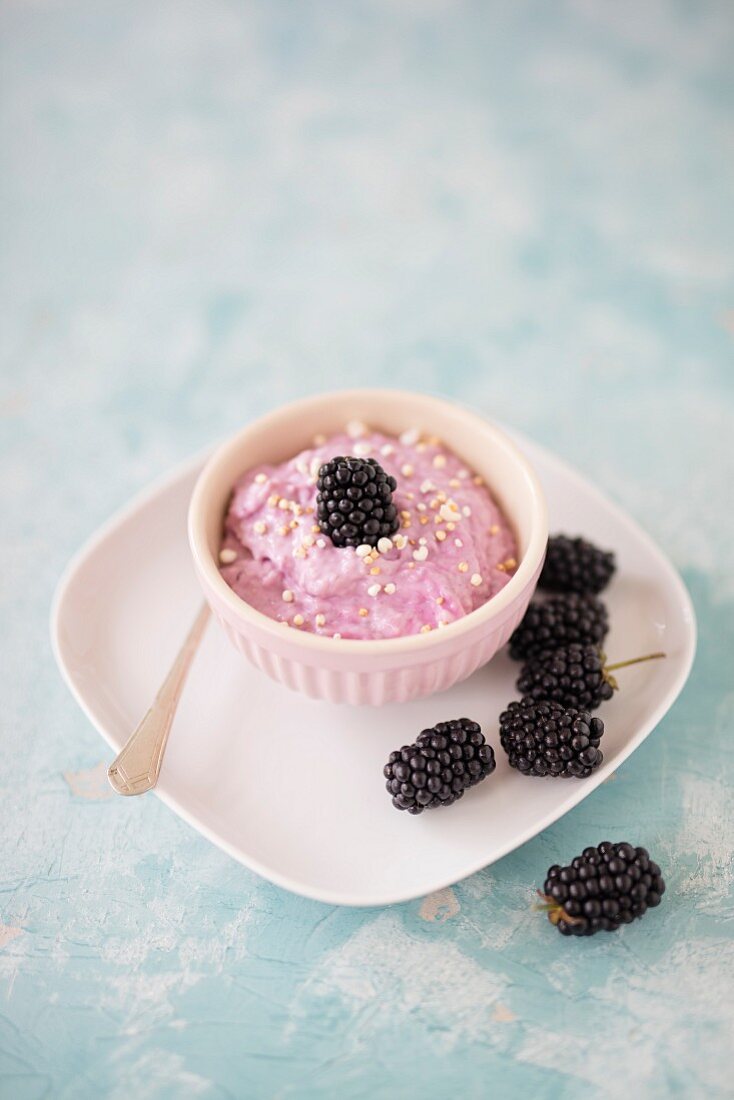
x: 384, y: 670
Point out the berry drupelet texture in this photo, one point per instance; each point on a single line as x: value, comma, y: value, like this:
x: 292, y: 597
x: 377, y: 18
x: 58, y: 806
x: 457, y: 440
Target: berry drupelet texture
x: 354, y: 501
x: 602, y: 888
x: 559, y: 621
x: 573, y: 676
x: 444, y: 762
x: 544, y: 738
x: 575, y: 565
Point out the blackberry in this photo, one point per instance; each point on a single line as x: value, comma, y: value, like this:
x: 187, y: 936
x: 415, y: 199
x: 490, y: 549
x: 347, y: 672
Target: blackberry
x: 575, y: 565
x: 354, y: 501
x: 544, y: 738
x: 602, y: 888
x: 557, y: 622
x: 443, y: 763
x: 574, y: 676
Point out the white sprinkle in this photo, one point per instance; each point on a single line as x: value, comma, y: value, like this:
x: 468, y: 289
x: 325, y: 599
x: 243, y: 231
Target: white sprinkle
x: 409, y: 437
x: 320, y: 620
x: 384, y: 545
x: 389, y: 588
x: 422, y: 542
x: 421, y: 506
x: 319, y: 440
x: 260, y: 527
x: 439, y: 461
x: 462, y: 473
x: 387, y: 449
x: 362, y: 449
x: 321, y: 543
x: 406, y: 470
x: 374, y: 590
x: 355, y: 428
x: 475, y: 579
x: 227, y: 556
x: 427, y: 486
x: 459, y: 543
x: 400, y: 541
x: 336, y: 635
x: 364, y: 550
x: 466, y: 510
x: 449, y: 512
x: 421, y: 553
x: 298, y: 620
x: 288, y: 595
x: 260, y: 478
x: 308, y: 541
x: 284, y: 504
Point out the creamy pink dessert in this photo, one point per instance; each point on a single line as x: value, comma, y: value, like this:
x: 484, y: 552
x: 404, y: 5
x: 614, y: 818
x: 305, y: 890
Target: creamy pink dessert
x: 454, y: 549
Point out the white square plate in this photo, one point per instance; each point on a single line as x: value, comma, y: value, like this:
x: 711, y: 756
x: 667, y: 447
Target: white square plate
x: 293, y: 788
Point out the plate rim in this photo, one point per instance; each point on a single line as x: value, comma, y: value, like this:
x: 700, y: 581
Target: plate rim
x: 352, y: 899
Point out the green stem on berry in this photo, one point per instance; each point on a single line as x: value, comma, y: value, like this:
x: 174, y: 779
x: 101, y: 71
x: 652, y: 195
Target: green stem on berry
x: 554, y: 910
x: 633, y: 661
x: 608, y: 669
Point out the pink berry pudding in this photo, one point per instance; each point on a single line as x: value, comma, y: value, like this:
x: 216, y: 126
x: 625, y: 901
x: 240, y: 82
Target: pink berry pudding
x: 449, y: 548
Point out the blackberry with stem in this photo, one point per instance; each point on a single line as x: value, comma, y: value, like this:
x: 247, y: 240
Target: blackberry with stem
x: 604, y: 887
x: 574, y: 675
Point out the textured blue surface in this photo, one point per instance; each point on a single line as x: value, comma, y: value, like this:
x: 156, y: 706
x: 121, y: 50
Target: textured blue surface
x: 210, y: 207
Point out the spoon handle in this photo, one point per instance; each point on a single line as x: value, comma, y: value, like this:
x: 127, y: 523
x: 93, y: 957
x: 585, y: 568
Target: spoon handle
x: 136, y: 768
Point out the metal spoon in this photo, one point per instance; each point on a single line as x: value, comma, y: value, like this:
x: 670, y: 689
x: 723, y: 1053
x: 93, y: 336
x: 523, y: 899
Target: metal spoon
x: 136, y: 768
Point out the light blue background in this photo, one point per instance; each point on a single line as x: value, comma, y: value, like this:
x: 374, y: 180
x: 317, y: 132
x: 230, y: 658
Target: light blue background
x: 208, y: 208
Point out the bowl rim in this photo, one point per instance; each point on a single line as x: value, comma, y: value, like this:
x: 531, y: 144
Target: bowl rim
x: 208, y: 569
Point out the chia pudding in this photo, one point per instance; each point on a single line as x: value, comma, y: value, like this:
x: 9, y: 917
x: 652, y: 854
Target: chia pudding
x: 453, y: 550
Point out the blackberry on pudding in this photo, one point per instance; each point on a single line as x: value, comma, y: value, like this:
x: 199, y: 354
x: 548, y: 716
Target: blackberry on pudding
x: 354, y: 501
x: 417, y: 539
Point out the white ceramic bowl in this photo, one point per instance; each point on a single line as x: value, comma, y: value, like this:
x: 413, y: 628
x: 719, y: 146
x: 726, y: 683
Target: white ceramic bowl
x: 383, y: 670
